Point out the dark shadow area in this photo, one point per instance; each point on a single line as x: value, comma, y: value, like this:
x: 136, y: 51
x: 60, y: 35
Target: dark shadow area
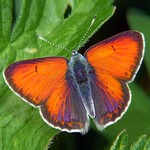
x: 67, y: 11
x: 76, y: 141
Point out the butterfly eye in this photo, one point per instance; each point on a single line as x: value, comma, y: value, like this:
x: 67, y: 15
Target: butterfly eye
x: 74, y: 52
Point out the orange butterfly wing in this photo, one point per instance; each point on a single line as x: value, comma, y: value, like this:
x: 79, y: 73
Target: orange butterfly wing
x: 111, y: 98
x: 64, y: 109
x: 115, y: 62
x: 42, y: 82
x: 34, y: 80
x: 119, y: 56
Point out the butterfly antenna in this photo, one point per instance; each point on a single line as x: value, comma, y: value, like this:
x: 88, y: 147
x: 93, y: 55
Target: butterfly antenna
x: 86, y: 32
x: 56, y: 45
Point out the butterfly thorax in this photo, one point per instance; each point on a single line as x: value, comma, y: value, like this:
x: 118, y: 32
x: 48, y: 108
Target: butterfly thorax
x: 78, y: 66
x: 80, y: 73
x: 78, y: 76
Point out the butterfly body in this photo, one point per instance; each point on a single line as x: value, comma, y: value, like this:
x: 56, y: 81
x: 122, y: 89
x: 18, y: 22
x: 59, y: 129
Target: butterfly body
x: 68, y: 92
x: 79, y: 75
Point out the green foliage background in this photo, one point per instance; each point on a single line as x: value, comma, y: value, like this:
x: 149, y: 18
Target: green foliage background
x: 65, y: 22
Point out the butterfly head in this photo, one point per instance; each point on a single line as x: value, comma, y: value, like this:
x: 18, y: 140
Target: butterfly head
x: 75, y: 55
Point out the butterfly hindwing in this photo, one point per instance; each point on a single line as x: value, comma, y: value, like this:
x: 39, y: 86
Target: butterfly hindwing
x: 64, y: 109
x: 111, y: 98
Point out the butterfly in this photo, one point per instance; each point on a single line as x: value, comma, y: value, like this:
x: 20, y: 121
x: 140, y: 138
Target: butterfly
x: 69, y: 92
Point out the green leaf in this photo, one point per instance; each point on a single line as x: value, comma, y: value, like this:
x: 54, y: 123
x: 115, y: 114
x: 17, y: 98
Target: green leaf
x: 138, y: 20
x: 140, y: 144
x: 121, y: 141
x: 5, y: 24
x: 147, y: 145
x: 21, y: 126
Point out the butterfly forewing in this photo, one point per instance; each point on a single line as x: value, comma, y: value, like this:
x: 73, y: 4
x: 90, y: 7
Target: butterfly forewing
x: 119, y: 56
x: 34, y: 80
